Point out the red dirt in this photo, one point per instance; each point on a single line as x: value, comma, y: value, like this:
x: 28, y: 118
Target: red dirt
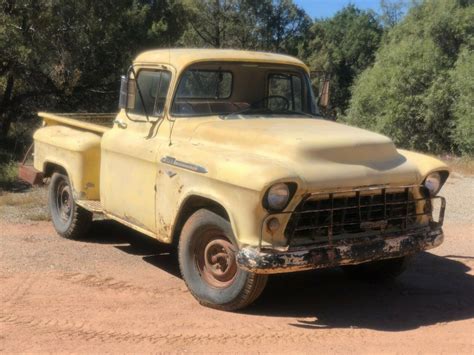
x: 121, y: 292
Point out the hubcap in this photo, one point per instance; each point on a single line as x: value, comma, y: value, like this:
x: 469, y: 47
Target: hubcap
x: 215, y: 259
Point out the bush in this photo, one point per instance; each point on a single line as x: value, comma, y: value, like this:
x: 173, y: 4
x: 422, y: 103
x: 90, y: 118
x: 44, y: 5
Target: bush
x: 463, y: 109
x: 420, y: 89
x: 8, y: 173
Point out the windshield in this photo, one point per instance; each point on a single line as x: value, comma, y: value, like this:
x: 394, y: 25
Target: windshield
x: 232, y: 89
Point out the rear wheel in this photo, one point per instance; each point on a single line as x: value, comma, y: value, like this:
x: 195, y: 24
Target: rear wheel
x: 207, y: 261
x: 70, y: 220
x: 380, y: 270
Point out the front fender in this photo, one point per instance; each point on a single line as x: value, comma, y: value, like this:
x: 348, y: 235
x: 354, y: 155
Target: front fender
x: 234, y: 180
x: 425, y: 164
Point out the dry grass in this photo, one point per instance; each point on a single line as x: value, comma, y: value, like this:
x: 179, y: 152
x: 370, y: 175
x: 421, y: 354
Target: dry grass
x: 28, y: 205
x: 461, y: 165
x: 33, y: 197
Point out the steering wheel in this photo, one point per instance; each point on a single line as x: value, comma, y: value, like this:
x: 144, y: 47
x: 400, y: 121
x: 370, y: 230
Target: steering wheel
x: 286, y: 102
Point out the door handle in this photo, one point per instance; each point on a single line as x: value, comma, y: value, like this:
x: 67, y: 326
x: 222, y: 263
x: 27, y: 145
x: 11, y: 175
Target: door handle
x: 120, y: 123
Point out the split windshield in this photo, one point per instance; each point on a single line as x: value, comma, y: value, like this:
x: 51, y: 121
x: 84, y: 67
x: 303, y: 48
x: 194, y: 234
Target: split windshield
x: 234, y: 89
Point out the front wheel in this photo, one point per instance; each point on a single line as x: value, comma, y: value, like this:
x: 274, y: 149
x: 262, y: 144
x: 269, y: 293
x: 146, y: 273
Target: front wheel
x: 379, y: 270
x: 70, y: 220
x: 207, y: 261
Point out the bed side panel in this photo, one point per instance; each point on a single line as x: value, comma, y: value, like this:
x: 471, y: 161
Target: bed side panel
x: 78, y: 152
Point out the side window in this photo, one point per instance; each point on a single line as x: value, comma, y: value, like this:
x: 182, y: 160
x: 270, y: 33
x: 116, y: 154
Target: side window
x: 154, y: 88
x: 288, y: 86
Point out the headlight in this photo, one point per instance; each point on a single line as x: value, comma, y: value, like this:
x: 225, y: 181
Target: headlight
x: 277, y: 196
x: 433, y: 183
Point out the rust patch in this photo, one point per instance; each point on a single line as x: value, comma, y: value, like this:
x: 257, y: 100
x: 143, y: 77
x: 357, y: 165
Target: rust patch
x: 134, y: 222
x: 30, y: 175
x: 272, y: 262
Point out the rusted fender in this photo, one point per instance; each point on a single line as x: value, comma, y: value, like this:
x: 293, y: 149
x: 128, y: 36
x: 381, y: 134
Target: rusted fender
x: 271, y: 262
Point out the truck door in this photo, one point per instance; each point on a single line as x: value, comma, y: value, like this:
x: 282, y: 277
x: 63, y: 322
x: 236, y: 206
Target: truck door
x: 129, y: 154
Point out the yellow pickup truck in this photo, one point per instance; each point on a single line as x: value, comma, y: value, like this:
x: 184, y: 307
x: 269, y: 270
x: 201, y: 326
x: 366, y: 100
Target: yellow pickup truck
x: 223, y: 153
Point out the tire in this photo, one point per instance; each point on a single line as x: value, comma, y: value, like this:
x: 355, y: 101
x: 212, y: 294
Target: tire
x: 207, y: 262
x: 380, y: 270
x: 70, y: 220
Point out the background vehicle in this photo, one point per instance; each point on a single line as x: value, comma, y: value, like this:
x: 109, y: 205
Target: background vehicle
x: 223, y: 153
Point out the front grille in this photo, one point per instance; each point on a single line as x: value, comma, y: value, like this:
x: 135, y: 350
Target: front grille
x: 340, y: 215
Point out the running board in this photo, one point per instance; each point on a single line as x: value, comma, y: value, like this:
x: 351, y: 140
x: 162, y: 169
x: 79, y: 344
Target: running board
x: 91, y: 205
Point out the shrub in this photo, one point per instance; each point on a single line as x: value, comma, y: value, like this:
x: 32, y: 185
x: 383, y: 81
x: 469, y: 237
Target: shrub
x: 420, y: 89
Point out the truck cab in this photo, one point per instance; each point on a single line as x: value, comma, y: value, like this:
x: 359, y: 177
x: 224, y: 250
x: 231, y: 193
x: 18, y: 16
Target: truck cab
x: 224, y: 154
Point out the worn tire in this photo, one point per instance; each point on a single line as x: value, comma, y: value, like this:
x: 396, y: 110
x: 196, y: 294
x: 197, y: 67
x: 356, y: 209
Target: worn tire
x: 70, y: 220
x: 380, y: 270
x: 207, y: 262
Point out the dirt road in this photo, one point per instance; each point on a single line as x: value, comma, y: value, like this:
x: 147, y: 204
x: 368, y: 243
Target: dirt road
x: 121, y: 292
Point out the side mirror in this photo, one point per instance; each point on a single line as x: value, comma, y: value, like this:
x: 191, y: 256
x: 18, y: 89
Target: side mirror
x: 321, y: 86
x: 127, y: 93
x: 324, y: 93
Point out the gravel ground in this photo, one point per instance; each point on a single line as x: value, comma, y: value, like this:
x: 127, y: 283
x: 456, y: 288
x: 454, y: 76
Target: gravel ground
x: 25, y: 204
x: 120, y: 292
x: 459, y: 194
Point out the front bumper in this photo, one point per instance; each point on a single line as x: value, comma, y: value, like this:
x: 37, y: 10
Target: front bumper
x: 272, y: 262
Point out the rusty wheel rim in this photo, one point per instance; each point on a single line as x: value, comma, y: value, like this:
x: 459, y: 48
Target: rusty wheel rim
x: 64, y: 201
x: 215, y: 259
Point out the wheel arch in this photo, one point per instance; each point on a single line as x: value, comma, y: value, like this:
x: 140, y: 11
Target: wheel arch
x: 49, y: 168
x: 192, y: 204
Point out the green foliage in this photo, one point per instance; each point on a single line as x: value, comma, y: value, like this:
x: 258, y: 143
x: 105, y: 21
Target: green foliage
x: 63, y: 55
x: 343, y: 46
x: 271, y: 25
x: 68, y: 55
x: 8, y: 173
x: 392, y: 11
x: 419, y: 90
x: 462, y: 78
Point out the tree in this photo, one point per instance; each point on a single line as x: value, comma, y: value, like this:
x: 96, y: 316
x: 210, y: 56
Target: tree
x: 343, y: 46
x: 64, y: 54
x: 392, y: 12
x: 272, y: 25
x: 419, y: 90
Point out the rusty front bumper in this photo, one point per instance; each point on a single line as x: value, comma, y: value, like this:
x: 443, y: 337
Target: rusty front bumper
x: 272, y: 262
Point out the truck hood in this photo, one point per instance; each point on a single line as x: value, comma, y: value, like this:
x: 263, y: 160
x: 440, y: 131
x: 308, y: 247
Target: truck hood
x: 320, y: 152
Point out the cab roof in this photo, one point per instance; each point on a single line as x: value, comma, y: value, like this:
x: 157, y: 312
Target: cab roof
x: 183, y: 57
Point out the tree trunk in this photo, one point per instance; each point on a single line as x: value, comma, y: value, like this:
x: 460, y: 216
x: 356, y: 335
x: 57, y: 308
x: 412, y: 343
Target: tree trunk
x: 6, y: 120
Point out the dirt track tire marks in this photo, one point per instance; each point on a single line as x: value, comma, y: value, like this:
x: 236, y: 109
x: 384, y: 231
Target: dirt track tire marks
x: 19, y: 292
x: 110, y: 283
x: 70, y: 330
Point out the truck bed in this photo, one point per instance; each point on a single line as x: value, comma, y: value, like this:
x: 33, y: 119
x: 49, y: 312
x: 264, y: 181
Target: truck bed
x: 94, y: 122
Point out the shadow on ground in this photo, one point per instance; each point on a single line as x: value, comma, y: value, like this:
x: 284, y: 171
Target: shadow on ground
x: 127, y: 240
x: 433, y: 290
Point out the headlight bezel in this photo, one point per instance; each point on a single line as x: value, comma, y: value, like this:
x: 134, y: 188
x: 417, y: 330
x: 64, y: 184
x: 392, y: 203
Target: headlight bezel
x: 434, y: 181
x: 287, y: 186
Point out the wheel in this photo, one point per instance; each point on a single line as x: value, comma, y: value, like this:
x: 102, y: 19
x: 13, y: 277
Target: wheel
x: 380, y: 270
x: 206, y: 253
x: 70, y: 220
